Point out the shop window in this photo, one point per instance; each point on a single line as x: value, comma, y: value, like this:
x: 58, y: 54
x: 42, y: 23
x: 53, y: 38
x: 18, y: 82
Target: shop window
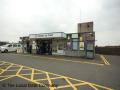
x: 75, y: 40
x: 74, y: 35
x: 69, y: 45
x: 75, y: 45
x: 61, y: 46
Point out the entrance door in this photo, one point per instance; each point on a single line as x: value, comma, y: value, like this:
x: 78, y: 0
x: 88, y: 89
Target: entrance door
x: 45, y: 47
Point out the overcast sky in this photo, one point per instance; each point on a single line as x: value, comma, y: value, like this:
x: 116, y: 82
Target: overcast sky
x: 23, y: 17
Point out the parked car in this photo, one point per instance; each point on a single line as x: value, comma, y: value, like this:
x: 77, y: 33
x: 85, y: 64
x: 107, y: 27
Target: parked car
x: 10, y: 47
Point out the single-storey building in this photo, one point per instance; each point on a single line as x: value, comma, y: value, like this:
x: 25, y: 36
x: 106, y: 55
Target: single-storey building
x: 60, y: 43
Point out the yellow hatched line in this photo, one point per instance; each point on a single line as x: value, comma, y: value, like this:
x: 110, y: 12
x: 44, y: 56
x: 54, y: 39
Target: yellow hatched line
x: 19, y: 70
x: 15, y: 66
x: 13, y: 70
x: 66, y: 86
x: 70, y: 83
x: 103, y: 87
x: 25, y: 74
x: 50, y: 83
x: 1, y: 69
x: 7, y: 77
x: 6, y: 68
x: 80, y: 84
x: 46, y: 79
x: 32, y: 74
x: 93, y: 86
x: 40, y: 79
x: 2, y: 63
x: 32, y: 81
x: 104, y: 60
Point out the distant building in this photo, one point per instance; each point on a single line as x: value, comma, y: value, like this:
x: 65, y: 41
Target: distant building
x: 59, y: 43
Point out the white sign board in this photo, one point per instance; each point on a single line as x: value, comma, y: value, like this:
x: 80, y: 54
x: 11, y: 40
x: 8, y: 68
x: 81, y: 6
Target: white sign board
x: 48, y: 35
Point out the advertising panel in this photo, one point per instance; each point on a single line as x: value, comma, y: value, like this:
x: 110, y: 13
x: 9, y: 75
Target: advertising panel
x: 81, y: 45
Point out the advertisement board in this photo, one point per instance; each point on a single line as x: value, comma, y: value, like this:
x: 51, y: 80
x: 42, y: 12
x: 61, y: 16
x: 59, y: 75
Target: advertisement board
x: 81, y: 45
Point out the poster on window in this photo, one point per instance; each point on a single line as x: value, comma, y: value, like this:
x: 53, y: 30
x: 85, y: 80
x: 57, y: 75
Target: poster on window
x: 81, y: 45
x: 81, y: 38
x: 69, y: 45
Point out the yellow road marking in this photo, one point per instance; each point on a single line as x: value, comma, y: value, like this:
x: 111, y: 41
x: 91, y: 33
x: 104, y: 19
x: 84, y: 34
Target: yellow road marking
x: 2, y: 63
x: 32, y: 75
x: 70, y: 83
x: 6, y: 69
x: 93, y: 87
x: 50, y: 83
x: 104, y: 60
x: 50, y: 78
x: 7, y: 75
x: 19, y: 70
x: 7, y: 78
x: 81, y: 82
x: 32, y: 81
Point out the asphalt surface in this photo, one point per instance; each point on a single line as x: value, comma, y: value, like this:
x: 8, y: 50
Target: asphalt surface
x: 105, y: 75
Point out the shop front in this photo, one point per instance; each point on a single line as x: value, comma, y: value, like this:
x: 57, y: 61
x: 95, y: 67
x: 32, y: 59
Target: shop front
x: 48, y: 43
x: 59, y: 43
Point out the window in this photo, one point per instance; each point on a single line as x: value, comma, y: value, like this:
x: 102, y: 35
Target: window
x: 74, y: 35
x: 75, y: 45
x: 69, y: 45
x: 10, y: 45
x: 75, y: 40
x: 14, y: 45
x: 19, y: 45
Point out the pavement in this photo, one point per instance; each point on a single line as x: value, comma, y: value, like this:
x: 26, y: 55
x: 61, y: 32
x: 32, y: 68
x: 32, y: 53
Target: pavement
x: 34, y: 72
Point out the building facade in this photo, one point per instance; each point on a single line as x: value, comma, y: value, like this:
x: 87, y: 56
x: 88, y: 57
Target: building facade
x: 59, y: 43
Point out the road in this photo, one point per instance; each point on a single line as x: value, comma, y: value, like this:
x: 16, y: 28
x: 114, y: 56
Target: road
x: 97, y: 74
